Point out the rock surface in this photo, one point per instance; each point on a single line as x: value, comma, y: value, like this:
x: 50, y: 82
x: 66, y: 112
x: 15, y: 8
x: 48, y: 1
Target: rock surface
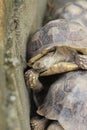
x: 18, y: 20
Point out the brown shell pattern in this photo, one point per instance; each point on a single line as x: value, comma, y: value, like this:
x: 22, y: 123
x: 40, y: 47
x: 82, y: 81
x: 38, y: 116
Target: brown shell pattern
x: 66, y: 101
x: 58, y: 33
x: 76, y: 10
x: 65, y: 31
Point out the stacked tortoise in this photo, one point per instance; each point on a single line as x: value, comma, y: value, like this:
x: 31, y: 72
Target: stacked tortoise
x: 66, y: 101
x: 76, y: 10
x: 61, y: 46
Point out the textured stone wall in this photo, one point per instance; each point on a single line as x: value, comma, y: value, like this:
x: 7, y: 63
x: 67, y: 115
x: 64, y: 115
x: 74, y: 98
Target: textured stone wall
x: 18, y: 19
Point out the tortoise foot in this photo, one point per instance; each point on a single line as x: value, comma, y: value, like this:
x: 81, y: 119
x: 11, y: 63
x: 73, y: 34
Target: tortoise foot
x: 38, y: 124
x: 81, y: 60
x: 31, y: 78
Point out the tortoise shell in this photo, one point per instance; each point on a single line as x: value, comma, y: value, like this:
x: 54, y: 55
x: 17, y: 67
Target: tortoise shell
x: 57, y: 33
x: 76, y: 10
x: 66, y: 101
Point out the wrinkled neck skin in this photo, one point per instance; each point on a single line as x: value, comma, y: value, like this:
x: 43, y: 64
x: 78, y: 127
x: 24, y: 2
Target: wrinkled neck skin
x: 61, y: 54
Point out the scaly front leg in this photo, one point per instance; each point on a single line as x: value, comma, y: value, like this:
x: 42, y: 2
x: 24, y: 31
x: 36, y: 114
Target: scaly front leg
x: 31, y: 79
x: 39, y: 124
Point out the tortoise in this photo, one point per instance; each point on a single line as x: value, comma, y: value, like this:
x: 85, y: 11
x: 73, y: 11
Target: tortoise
x: 60, y: 46
x: 76, y: 10
x: 66, y: 101
x: 45, y: 52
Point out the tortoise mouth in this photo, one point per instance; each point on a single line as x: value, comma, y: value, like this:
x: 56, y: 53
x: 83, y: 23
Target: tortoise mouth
x: 61, y: 67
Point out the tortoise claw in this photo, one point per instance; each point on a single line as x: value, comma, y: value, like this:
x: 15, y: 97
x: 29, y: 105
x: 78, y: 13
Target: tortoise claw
x: 38, y: 124
x: 31, y: 78
x: 81, y: 61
